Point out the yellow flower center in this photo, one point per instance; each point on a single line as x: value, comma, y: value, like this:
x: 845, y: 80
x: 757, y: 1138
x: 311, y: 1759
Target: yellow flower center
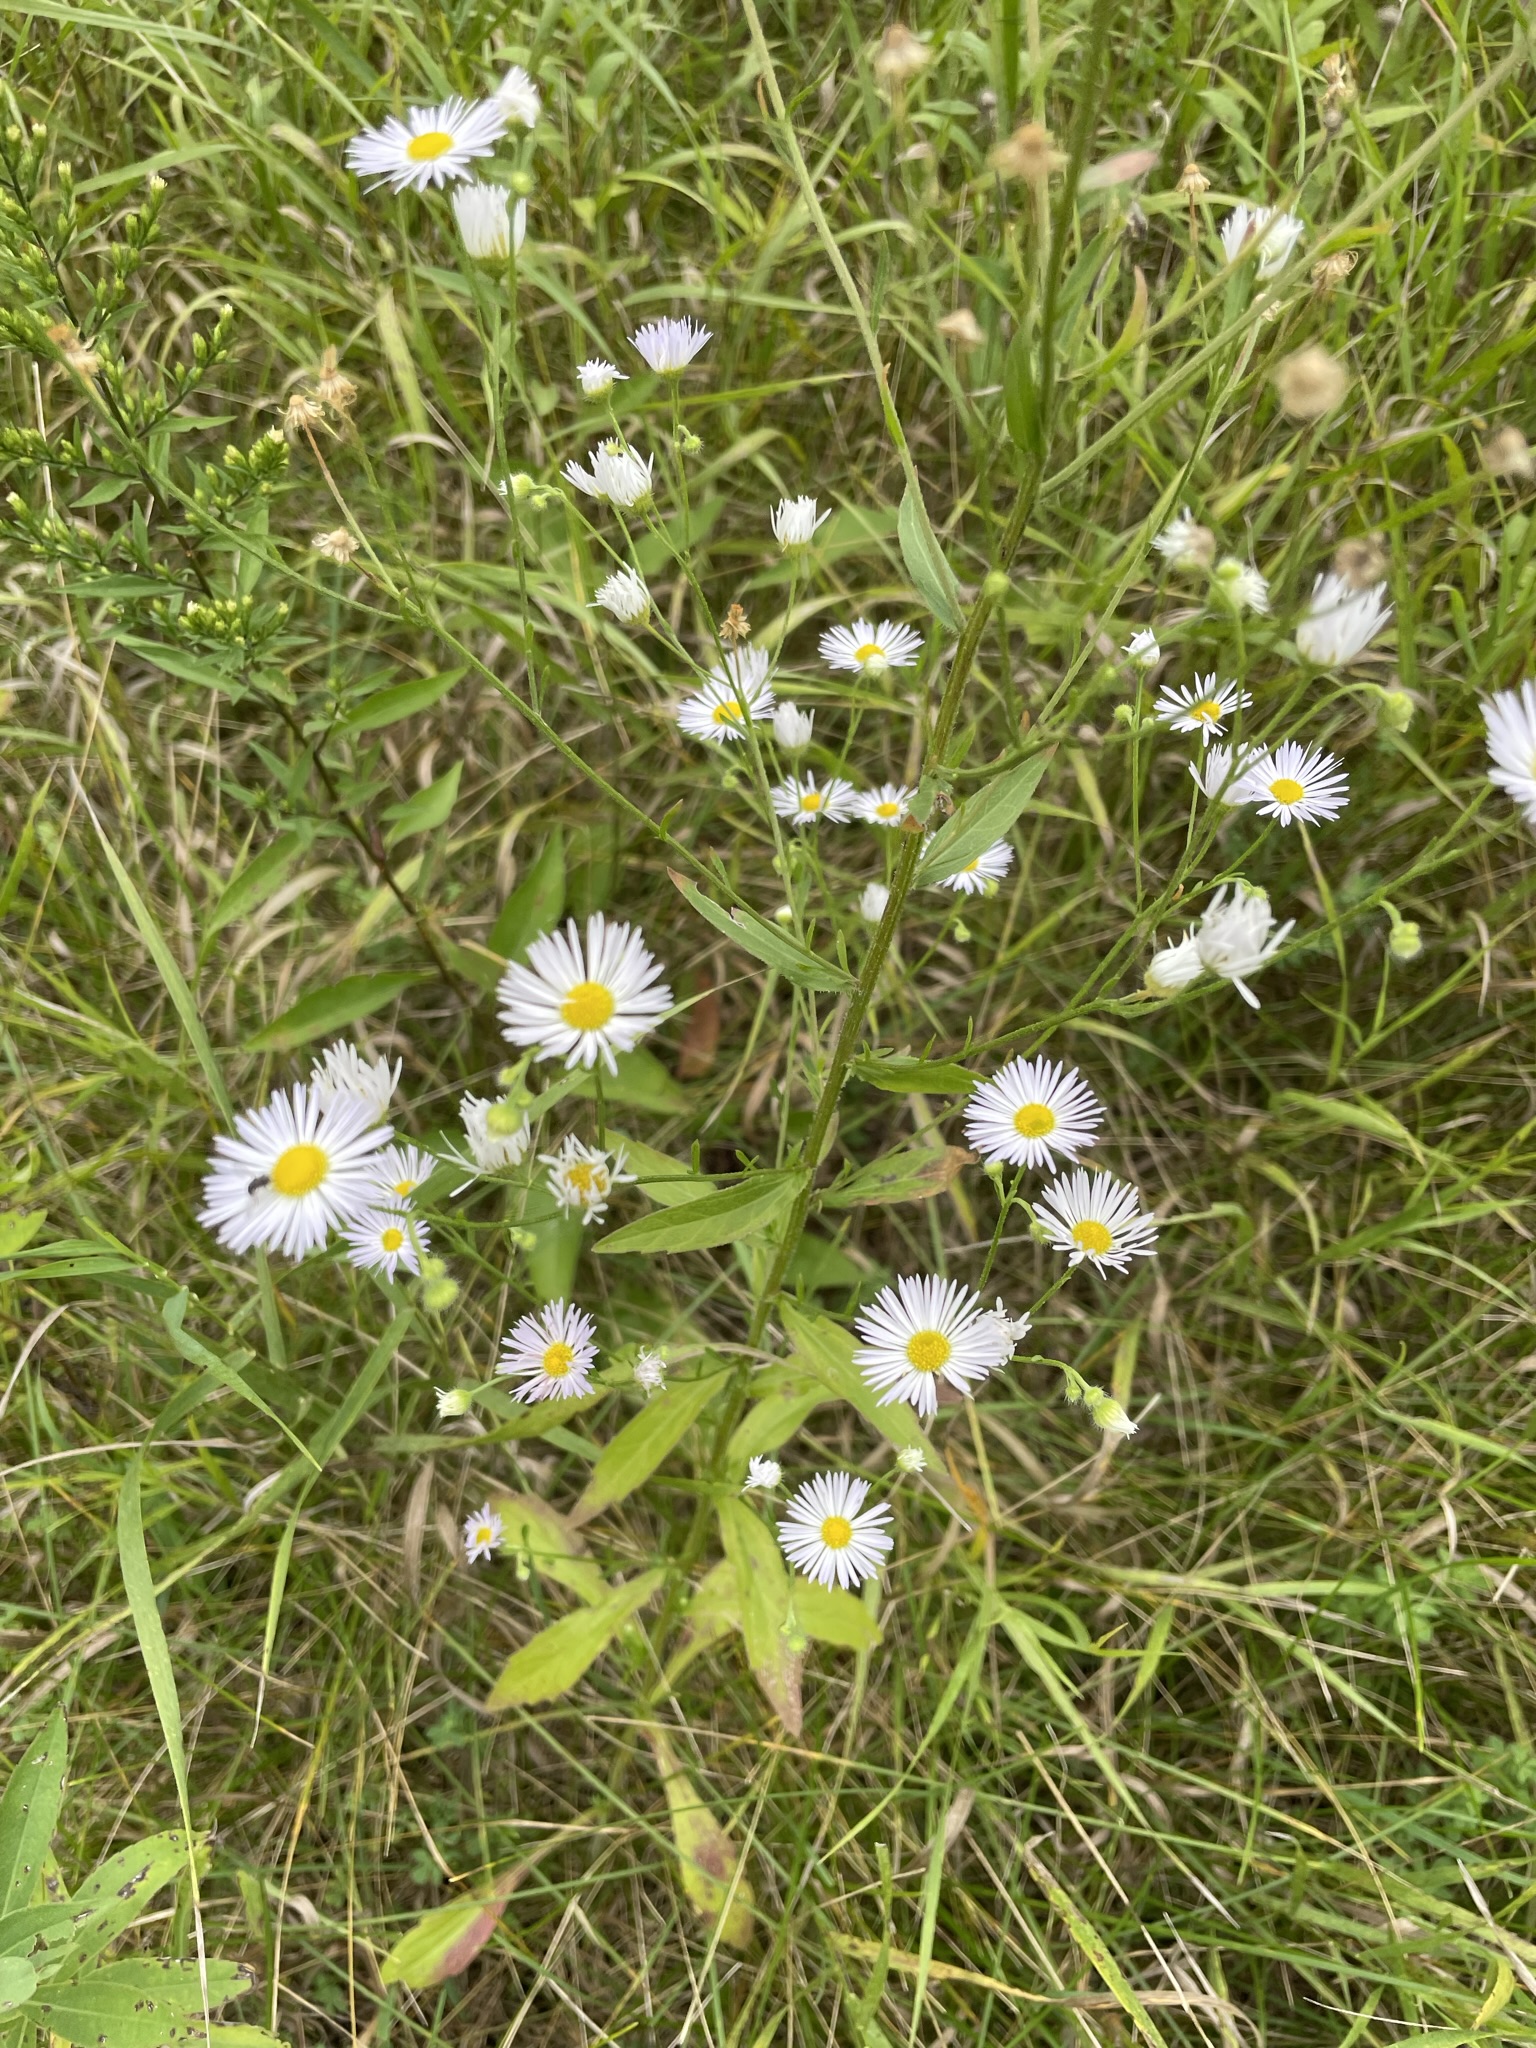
x: 300, y: 1170
x: 728, y: 713
x: 1208, y: 709
x: 837, y: 1532
x: 1285, y: 789
x: 404, y: 1187
x: 426, y: 149
x: 870, y: 651
x: 484, y: 1533
x: 887, y: 810
x: 971, y: 866
x: 558, y: 1360
x: 811, y: 801
x: 588, y: 1006
x: 1034, y: 1120
x: 1093, y: 1236
x: 927, y: 1350
x: 580, y: 1177
x: 393, y: 1239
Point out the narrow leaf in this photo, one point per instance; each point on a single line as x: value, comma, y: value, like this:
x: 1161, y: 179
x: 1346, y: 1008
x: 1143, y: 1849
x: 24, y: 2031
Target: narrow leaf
x: 910, y: 1173
x: 707, y: 1857
x: 980, y: 821
x: 925, y: 561
x: 400, y: 700
x: 558, y: 1656
x: 534, y: 1529
x: 1021, y: 403
x: 630, y: 1458
x: 901, y: 1076
x: 535, y: 905
x: 29, y: 1811
x: 427, y: 809
x: 759, y: 1202
x: 18, y: 1981
x: 328, y: 1009
x: 172, y: 1314
x: 255, y: 882
x: 762, y: 1582
x: 1094, y: 1947
x: 769, y: 943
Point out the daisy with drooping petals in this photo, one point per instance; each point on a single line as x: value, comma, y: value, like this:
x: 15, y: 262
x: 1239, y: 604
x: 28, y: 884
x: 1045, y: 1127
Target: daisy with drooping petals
x: 1220, y: 775
x: 829, y: 1535
x: 483, y: 1535
x: 597, y: 378
x: 498, y: 1134
x: 584, y: 996
x: 293, y: 1169
x: 1174, y: 967
x: 1030, y: 1113
x: 873, y: 901
x: 650, y: 1371
x: 341, y: 1073
x: 920, y: 1332
x: 980, y: 874
x: 550, y: 1354
x: 518, y: 97
x: 431, y: 146
x: 1267, y: 231
x: 719, y: 712
x: 1185, y: 544
x: 1297, y: 781
x: 763, y: 1474
x: 804, y: 801
x: 490, y: 225
x: 382, y: 1240
x: 582, y: 1177
x: 1341, y: 621
x: 1011, y: 1330
x: 886, y: 806
x: 868, y: 649
x: 1238, y: 936
x: 617, y: 474
x: 1509, y: 717
x: 792, y: 727
x: 1203, y: 706
x: 1241, y: 584
x: 401, y: 1170
x: 625, y: 596
x: 669, y: 346
x: 1095, y: 1217
x: 1142, y: 648
x: 795, y: 521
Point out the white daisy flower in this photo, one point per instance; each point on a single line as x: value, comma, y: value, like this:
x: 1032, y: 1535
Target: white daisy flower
x: 873, y: 902
x: 886, y: 806
x: 617, y: 474
x: 911, y: 1459
x: 582, y: 1177
x: 1142, y: 647
x: 431, y: 146
x: 1185, y: 544
x: 518, y: 97
x: 382, y: 1240
x: 483, y: 1535
x: 597, y: 377
x: 1011, y: 1330
x: 792, y: 727
x: 1174, y: 967
x: 804, y: 801
x: 1510, y: 719
x: 341, y: 1073
x: 828, y: 1534
x: 719, y: 711
x: 1095, y: 1217
x: 764, y: 1473
x: 795, y: 521
x: 1030, y: 1113
x: 498, y: 1134
x: 1203, y: 706
x: 453, y: 1402
x: 979, y: 875
x: 870, y: 649
x: 1241, y: 585
x: 490, y: 226
x: 1221, y: 772
x: 293, y: 1169
x: 584, y: 996
x: 669, y: 346
x: 1297, y: 781
x: 551, y: 1354
x: 625, y: 595
x: 1238, y: 936
x: 1265, y: 229
x: 1341, y: 621
x: 650, y: 1371
x: 1107, y: 1414
x: 920, y: 1332
x: 400, y: 1171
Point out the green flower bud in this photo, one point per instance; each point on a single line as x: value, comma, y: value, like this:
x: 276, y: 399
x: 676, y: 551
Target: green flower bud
x: 996, y: 587
x: 439, y: 1295
x: 1404, y: 941
x: 503, y: 1120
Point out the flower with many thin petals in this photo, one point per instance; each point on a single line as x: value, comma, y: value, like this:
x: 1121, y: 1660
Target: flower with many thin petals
x: 498, y: 1134
x: 804, y: 801
x: 718, y: 713
x: 885, y: 806
x: 584, y: 995
x: 1031, y: 1113
x: 1241, y: 584
x: 1096, y: 1217
x: 1185, y: 544
x: 1174, y: 967
x: 1264, y: 230
x: 550, y: 1355
x: 617, y: 474
x: 582, y: 1177
x: 1341, y: 621
x: 1142, y: 648
x: 483, y: 1535
x: 669, y: 346
x: 490, y: 225
x: 399, y: 1171
x: 293, y: 1169
x: 597, y: 377
x: 922, y: 1331
x: 453, y: 1402
x: 1509, y: 717
x: 1203, y: 706
x: 982, y: 873
x: 518, y: 97
x: 1238, y: 936
x: 870, y: 649
x: 338, y: 545
x: 828, y: 1534
x: 795, y: 521
x: 341, y: 1073
x: 625, y: 595
x: 792, y: 727
x: 383, y: 1240
x: 1297, y: 781
x: 430, y: 146
x: 1223, y: 771
x: 910, y: 1459
x: 763, y: 1475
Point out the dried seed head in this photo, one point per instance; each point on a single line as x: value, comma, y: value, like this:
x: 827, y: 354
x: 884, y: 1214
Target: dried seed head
x: 1362, y: 561
x: 332, y: 388
x: 301, y: 416
x: 1310, y: 383
x: 338, y: 545
x: 1332, y: 270
x: 1508, y: 453
x: 1028, y: 153
x: 1194, y: 184
x: 962, y: 328
x: 735, y: 627
x: 82, y: 359
x: 901, y: 56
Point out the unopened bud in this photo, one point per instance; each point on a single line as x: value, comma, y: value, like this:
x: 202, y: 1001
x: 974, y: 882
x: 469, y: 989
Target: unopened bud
x: 962, y: 931
x: 453, y: 1401
x: 503, y: 1121
x: 996, y: 586
x: 522, y: 485
x: 1105, y: 1411
x: 1404, y: 941
x: 439, y: 1295
x: 521, y: 1240
x: 784, y: 914
x: 1394, y: 710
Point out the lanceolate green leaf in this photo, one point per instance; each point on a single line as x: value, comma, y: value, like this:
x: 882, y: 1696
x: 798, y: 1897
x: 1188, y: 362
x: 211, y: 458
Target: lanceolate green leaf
x: 980, y: 822
x: 535, y: 905
x: 1020, y: 400
x: 327, y: 1009
x: 256, y: 881
x: 708, y: 1858
x: 903, y: 1076
x: 931, y: 573
x: 911, y: 1173
x: 400, y: 700
x: 29, y: 1811
x: 759, y: 1202
x: 762, y: 1581
x: 118, y: 1891
x: 139, y: 2003
x: 172, y: 1314
x: 770, y: 943
x: 630, y: 1458
x: 558, y: 1656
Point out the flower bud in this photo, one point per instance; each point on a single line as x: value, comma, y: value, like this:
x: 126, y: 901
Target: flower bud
x: 784, y: 914
x: 995, y: 587
x: 522, y: 485
x: 1107, y: 1413
x: 503, y: 1121
x: 439, y: 1295
x: 1403, y: 941
x: 453, y: 1401
x: 962, y: 931
x: 911, y: 1459
x: 1394, y: 710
